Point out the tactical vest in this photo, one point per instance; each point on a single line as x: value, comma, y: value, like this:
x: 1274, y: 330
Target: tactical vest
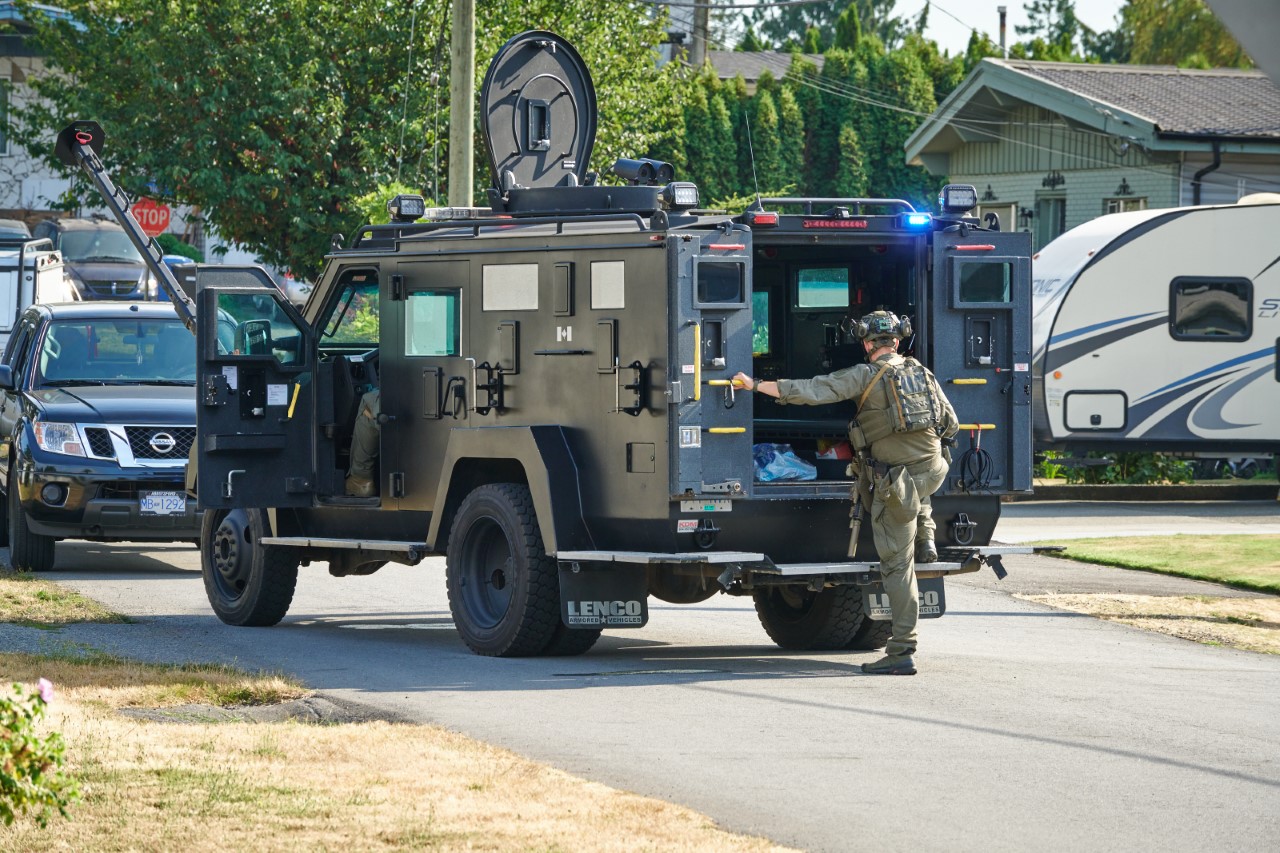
x: 912, y: 405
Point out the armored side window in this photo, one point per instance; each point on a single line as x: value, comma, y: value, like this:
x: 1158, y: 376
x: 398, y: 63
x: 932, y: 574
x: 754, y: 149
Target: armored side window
x: 249, y: 324
x: 760, y: 323
x: 985, y: 282
x: 721, y: 283
x: 355, y: 317
x: 431, y: 323
x: 509, y: 287
x: 1211, y: 309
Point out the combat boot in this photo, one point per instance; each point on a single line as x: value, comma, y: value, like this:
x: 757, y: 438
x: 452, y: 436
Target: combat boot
x: 891, y: 665
x: 926, y: 551
x: 361, y: 487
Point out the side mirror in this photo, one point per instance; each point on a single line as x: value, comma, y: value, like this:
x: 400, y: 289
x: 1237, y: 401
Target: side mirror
x: 6, y: 378
x: 254, y: 337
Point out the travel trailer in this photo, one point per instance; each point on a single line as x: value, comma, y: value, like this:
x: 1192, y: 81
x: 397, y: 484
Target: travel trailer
x: 1156, y: 330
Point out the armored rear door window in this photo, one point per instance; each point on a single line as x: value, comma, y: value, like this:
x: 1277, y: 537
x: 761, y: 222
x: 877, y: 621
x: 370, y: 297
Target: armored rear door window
x: 822, y: 287
x: 984, y: 282
x: 1211, y: 309
x: 431, y: 323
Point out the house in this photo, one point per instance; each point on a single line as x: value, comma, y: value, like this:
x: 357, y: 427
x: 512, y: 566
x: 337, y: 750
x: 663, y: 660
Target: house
x: 1051, y: 145
x: 751, y: 65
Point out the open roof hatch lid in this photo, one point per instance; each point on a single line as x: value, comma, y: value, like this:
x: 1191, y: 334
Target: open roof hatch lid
x: 538, y: 111
x: 538, y: 108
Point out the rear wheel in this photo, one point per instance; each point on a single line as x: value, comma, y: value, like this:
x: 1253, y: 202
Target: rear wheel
x: 797, y: 618
x: 504, y: 591
x: 248, y: 583
x: 567, y: 642
x: 28, y: 551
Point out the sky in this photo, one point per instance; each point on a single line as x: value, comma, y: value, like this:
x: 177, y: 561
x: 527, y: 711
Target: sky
x: 953, y: 36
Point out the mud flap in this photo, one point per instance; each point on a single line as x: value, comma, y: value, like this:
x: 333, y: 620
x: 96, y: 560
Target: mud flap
x: 609, y: 595
x: 933, y: 601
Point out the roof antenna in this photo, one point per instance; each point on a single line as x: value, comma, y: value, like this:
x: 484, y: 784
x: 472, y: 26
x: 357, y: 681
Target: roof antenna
x: 752, y: 151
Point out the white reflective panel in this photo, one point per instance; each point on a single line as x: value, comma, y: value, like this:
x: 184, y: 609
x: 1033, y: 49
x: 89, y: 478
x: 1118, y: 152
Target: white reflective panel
x: 607, y: 291
x: 510, y: 287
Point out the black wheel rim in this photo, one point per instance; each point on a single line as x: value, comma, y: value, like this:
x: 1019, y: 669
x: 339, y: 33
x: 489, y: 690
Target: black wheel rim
x: 487, y: 573
x: 231, y: 556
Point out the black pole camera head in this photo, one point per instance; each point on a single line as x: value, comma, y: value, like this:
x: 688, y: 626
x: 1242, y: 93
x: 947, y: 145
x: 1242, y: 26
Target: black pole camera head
x: 644, y: 172
x: 78, y: 133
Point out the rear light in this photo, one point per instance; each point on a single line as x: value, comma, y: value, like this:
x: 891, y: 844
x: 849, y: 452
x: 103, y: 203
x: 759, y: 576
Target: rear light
x: 761, y: 218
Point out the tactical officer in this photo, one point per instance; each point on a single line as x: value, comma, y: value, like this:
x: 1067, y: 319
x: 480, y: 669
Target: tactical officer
x: 903, y: 418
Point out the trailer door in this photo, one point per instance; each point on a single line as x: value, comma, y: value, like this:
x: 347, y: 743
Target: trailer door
x: 979, y: 310
x: 255, y: 397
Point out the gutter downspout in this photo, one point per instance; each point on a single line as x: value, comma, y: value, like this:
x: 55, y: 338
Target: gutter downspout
x: 1195, y: 180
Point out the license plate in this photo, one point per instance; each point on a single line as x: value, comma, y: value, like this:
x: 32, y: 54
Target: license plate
x: 163, y: 503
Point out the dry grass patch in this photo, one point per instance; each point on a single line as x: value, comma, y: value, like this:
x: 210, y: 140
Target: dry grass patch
x: 150, y: 786
x: 28, y: 600
x: 1251, y: 624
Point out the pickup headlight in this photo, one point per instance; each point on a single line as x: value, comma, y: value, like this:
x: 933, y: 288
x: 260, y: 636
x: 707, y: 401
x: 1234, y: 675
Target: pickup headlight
x: 58, y: 438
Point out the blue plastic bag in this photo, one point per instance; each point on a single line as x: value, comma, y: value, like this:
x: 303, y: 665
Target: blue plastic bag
x: 779, y: 462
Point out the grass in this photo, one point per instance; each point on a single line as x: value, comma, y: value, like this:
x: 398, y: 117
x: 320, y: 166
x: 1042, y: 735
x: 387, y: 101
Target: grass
x: 1248, y: 561
x: 199, y: 785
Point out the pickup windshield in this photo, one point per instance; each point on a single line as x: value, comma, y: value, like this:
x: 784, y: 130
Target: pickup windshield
x: 116, y: 352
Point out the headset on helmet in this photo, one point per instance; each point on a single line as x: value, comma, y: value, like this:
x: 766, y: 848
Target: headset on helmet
x: 882, y: 324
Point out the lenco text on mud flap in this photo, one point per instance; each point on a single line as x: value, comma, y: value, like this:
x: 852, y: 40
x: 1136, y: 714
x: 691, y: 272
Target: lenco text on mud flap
x: 933, y: 600
x: 593, y: 596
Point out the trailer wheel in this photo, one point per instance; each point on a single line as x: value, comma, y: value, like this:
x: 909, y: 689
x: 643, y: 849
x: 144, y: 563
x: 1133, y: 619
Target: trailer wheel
x: 797, y: 618
x: 28, y: 551
x: 248, y: 583
x: 504, y: 591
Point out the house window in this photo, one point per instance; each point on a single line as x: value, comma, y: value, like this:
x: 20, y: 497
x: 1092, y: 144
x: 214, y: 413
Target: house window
x: 1050, y: 218
x: 1123, y: 205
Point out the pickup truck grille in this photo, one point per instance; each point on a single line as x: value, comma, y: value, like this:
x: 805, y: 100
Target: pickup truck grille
x: 100, y: 443
x: 163, y: 442
x: 112, y: 288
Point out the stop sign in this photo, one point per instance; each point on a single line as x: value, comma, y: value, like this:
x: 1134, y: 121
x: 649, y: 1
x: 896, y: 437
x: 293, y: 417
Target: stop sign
x: 151, y: 215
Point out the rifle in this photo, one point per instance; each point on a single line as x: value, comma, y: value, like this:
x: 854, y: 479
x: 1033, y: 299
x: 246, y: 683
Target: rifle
x: 858, y: 498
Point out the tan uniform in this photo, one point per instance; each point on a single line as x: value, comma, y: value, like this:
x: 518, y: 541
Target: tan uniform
x: 901, y: 512
x: 364, y: 436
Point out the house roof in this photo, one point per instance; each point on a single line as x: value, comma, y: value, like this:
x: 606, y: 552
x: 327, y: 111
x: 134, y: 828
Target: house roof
x: 1162, y: 107
x: 1215, y: 102
x: 751, y: 64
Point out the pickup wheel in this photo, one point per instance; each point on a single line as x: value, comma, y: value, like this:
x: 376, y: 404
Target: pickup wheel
x: 504, y: 591
x: 248, y: 583
x: 28, y: 551
x: 797, y: 618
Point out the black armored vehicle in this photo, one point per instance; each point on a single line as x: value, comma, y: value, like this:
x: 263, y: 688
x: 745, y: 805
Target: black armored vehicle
x: 557, y: 415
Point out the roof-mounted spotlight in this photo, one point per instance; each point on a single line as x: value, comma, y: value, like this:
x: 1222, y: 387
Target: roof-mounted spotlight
x: 679, y: 195
x: 407, y: 208
x: 644, y: 172
x: 958, y: 198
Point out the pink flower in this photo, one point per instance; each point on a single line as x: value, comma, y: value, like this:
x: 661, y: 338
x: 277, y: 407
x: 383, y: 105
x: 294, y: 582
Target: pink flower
x: 45, y: 687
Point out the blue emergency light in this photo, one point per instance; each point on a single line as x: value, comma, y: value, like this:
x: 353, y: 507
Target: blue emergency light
x: 916, y: 220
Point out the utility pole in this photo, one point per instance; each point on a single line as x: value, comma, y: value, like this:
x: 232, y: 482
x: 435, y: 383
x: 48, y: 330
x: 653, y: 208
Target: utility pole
x: 462, y: 103
x: 701, y: 31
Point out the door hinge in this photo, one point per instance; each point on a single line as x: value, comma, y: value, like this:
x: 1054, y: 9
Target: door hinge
x: 397, y: 288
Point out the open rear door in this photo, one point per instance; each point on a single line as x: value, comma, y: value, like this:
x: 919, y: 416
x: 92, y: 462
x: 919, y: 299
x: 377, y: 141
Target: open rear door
x: 255, y: 391
x: 980, y: 351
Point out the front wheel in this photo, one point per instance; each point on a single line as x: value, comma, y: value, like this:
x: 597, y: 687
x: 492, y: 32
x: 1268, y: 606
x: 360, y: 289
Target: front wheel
x: 797, y: 618
x: 248, y: 583
x: 28, y: 551
x: 504, y: 591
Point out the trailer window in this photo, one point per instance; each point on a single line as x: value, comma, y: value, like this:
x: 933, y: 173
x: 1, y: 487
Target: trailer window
x: 431, y: 323
x: 985, y: 282
x: 1218, y: 309
x: 822, y: 287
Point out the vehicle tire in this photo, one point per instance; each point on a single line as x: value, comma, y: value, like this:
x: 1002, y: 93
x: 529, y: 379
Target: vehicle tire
x: 247, y: 583
x: 872, y: 634
x: 28, y: 551
x: 797, y: 618
x: 504, y: 591
x: 567, y: 642
x: 4, y: 522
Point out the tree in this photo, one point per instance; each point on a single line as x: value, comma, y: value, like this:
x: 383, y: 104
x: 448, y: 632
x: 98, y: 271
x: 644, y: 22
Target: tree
x: 851, y: 173
x: 1179, y: 32
x: 274, y: 118
x: 848, y: 28
x: 785, y: 25
x: 1054, y: 30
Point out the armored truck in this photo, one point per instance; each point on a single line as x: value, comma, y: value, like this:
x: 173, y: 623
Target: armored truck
x: 556, y: 411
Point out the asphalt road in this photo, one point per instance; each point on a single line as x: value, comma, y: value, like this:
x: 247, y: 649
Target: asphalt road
x: 1027, y: 728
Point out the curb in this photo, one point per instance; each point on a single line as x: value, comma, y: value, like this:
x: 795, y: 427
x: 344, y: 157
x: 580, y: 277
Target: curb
x: 1263, y: 491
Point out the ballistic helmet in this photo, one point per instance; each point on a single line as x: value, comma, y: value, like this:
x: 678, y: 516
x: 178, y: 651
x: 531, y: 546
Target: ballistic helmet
x: 882, y: 327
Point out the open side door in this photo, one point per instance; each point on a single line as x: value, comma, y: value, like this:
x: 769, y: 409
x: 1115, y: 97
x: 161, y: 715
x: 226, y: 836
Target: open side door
x: 255, y: 396
x: 980, y: 331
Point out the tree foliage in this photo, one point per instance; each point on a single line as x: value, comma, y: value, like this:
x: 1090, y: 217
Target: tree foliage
x: 1179, y: 32
x: 785, y: 26
x: 274, y: 118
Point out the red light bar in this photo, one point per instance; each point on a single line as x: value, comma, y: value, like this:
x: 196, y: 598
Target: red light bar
x: 975, y: 247
x: 835, y: 223
x: 763, y: 218
x: 729, y: 247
